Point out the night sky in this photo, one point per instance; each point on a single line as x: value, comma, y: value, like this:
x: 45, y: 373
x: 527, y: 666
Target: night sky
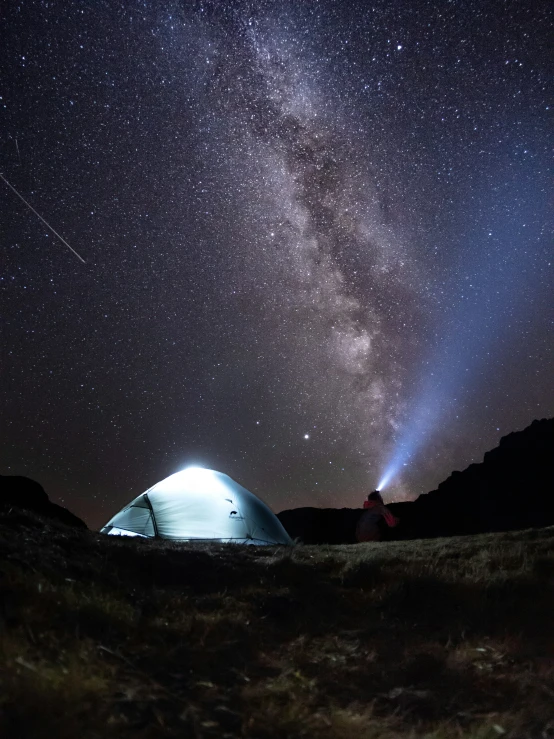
x: 317, y: 239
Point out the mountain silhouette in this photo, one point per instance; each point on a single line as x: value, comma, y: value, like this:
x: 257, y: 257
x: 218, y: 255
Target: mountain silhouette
x: 511, y: 489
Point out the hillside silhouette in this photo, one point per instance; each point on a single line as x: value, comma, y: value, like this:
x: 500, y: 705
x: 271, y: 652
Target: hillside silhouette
x: 22, y: 492
x: 511, y: 489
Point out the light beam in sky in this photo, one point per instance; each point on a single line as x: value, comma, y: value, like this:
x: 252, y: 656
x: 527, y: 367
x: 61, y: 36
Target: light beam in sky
x: 490, y: 301
x: 61, y: 238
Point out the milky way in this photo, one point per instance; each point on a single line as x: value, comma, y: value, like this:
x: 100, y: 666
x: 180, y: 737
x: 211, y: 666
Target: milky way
x: 317, y: 240
x: 332, y: 272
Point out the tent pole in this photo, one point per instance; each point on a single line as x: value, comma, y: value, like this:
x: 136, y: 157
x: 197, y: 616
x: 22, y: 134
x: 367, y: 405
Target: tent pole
x: 147, y: 499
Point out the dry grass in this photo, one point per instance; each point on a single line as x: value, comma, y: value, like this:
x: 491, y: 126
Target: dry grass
x: 106, y: 637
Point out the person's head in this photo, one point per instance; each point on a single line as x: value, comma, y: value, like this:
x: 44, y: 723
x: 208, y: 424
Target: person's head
x: 375, y: 495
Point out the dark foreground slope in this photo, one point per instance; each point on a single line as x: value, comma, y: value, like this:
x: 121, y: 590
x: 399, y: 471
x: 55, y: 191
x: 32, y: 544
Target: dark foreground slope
x: 513, y: 488
x: 109, y: 637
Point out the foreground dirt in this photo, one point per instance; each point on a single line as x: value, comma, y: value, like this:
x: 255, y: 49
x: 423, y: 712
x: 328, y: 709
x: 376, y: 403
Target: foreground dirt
x: 109, y: 637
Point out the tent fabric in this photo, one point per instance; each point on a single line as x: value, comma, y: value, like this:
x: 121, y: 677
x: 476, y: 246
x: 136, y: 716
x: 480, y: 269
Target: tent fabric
x: 199, y: 504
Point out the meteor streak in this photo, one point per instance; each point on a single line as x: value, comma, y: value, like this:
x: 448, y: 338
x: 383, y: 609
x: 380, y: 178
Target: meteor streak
x: 61, y: 238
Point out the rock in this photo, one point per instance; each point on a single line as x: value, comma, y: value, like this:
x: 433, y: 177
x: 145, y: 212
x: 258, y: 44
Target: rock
x: 513, y: 488
x: 22, y: 492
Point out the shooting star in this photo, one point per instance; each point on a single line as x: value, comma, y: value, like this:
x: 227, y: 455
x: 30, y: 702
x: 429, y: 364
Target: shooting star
x: 61, y: 238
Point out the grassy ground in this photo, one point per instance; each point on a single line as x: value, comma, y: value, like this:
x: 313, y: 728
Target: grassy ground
x: 109, y: 637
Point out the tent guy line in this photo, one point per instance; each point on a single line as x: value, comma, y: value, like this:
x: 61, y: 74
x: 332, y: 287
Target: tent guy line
x: 61, y: 238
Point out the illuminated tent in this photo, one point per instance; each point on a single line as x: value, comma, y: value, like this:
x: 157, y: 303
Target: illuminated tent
x: 199, y: 504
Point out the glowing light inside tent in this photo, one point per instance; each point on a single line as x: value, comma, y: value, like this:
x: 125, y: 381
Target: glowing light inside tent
x: 194, y: 475
x: 195, y: 472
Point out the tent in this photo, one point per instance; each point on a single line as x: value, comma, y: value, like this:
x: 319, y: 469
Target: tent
x: 199, y: 504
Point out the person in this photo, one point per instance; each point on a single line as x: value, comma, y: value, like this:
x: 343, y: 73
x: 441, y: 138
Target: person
x: 375, y: 510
